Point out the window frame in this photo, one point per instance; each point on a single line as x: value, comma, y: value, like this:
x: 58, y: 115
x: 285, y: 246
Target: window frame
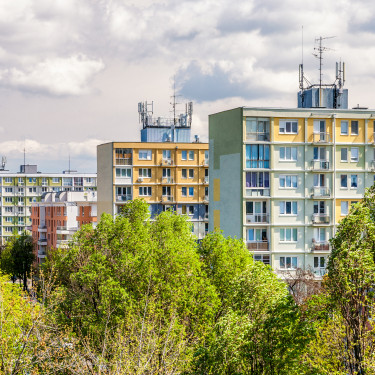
x: 144, y: 154
x: 354, y: 160
x: 293, y: 235
x: 283, y: 129
x: 293, y: 260
x: 355, y: 123
x: 293, y: 208
x: 290, y: 148
x: 285, y: 178
x: 347, y: 127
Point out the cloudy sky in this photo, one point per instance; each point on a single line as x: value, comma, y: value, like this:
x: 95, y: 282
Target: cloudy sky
x: 73, y: 71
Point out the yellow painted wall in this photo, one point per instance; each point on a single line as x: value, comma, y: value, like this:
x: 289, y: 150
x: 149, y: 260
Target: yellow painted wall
x: 370, y: 131
x: 300, y: 137
x: 338, y: 207
x: 360, y: 138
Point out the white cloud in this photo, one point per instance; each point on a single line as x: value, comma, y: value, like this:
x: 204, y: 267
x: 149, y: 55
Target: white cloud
x: 56, y: 76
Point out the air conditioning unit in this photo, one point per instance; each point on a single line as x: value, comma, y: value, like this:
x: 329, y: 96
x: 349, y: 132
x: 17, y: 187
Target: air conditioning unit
x: 140, y: 179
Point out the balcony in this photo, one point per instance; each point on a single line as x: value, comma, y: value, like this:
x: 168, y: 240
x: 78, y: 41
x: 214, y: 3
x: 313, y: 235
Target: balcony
x: 123, y: 198
x: 205, y: 163
x: 167, y: 198
x: 320, y: 218
x: 258, y: 245
x: 257, y: 164
x: 42, y: 229
x: 167, y: 180
x: 250, y: 192
x: 42, y: 241
x: 319, y: 272
x: 321, y: 192
x: 258, y: 136
x: 319, y: 165
x: 123, y: 161
x: 257, y: 218
x: 372, y: 167
x: 65, y: 230
x: 41, y: 254
x: 62, y: 243
x: 319, y: 246
x: 321, y: 138
x: 166, y: 162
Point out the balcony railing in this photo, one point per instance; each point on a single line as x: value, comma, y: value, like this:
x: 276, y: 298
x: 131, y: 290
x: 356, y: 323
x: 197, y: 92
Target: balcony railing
x: 320, y: 246
x: 167, y: 198
x: 320, y: 272
x: 258, y: 136
x: 321, y: 137
x: 320, y: 218
x: 123, y: 161
x: 167, y: 162
x: 65, y: 228
x: 123, y: 198
x: 42, y: 241
x: 257, y: 192
x: 320, y: 191
x: 257, y: 218
x: 257, y: 164
x: 319, y: 165
x: 167, y: 180
x: 258, y: 245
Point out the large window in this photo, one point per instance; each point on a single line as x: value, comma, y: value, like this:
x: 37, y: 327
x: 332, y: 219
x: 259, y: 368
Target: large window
x: 288, y: 153
x: 144, y: 154
x: 257, y: 129
x: 257, y: 235
x: 144, y: 172
x: 288, y: 127
x: 288, y: 208
x: 344, y: 181
x: 183, y: 155
x: 257, y: 180
x: 166, y: 154
x: 354, y: 181
x: 145, y: 190
x: 344, y: 208
x: 288, y: 263
x: 354, y: 127
x: 257, y: 156
x: 287, y: 181
x: 344, y: 127
x: 123, y: 172
x: 288, y: 234
x: 354, y: 154
x: 191, y: 155
x: 344, y: 154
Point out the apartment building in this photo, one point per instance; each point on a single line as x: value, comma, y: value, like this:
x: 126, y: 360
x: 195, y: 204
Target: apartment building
x: 282, y: 179
x: 58, y: 216
x: 19, y: 190
x: 168, y: 175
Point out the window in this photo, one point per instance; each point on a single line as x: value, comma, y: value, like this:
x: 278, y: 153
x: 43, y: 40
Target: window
x: 9, y: 209
x: 191, y: 192
x: 288, y: 263
x: 191, y: 155
x: 166, y: 191
x: 320, y: 153
x: 183, y: 155
x: 55, y: 180
x: 288, y: 234
x: 288, y: 127
x: 184, y: 173
x: 20, y: 190
x: 8, y: 190
x: 344, y: 154
x: 32, y: 180
x: 319, y: 262
x: 124, y: 191
x: 144, y: 154
x: 8, y: 199
x: 143, y: 172
x: 344, y: 208
x: 166, y: 172
x: 319, y: 207
x: 262, y: 258
x: 88, y: 180
x: 257, y: 156
x: 344, y: 128
x: 32, y: 190
x: 288, y: 153
x: 206, y: 153
x: 257, y: 179
x: 145, y: 190
x: 354, y: 154
x: 184, y: 191
x: 344, y: 181
x: 123, y: 172
x: 319, y: 180
x: 190, y: 210
x: 8, y: 229
x: 354, y: 181
x: 8, y: 219
x: 354, y: 127
x: 288, y: 181
x: 8, y: 180
x: 166, y: 154
x: 191, y: 173
x: 288, y: 208
x: 257, y: 235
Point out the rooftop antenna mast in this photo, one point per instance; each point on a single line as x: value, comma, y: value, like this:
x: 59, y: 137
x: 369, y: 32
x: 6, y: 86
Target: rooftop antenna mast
x: 174, y: 103
x: 319, y: 54
x: 24, y: 154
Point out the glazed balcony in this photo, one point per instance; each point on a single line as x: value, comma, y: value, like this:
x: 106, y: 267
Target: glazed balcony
x: 320, y: 246
x: 257, y: 218
x: 320, y: 192
x: 320, y: 165
x: 320, y: 218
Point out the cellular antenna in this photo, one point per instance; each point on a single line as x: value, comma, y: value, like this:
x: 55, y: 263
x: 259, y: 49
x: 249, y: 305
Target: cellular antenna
x: 319, y: 54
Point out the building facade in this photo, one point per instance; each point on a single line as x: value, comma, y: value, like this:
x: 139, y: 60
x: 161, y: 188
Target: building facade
x: 167, y: 175
x: 19, y: 190
x: 282, y: 179
x: 58, y: 216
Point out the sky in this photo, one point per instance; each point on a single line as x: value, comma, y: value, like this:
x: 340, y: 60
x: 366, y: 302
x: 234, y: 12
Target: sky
x: 72, y: 72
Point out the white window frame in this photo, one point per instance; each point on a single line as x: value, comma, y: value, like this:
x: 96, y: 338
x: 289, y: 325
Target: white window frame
x: 351, y: 181
x: 191, y: 155
x: 293, y: 260
x: 144, y: 172
x: 344, y: 208
x: 285, y: 177
x: 292, y: 151
x: 184, y: 155
x: 354, y: 159
x: 293, y: 235
x: 293, y: 208
x: 183, y: 171
x: 352, y: 122
x: 191, y: 173
x: 8, y: 180
x: 283, y: 124
x: 344, y: 160
x: 341, y: 186
x: 191, y: 188
x: 128, y: 172
x: 145, y: 191
x: 347, y: 127
x: 183, y: 191
x: 144, y: 154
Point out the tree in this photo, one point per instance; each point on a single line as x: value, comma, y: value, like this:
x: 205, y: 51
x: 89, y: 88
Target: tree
x: 18, y: 257
x: 128, y: 270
